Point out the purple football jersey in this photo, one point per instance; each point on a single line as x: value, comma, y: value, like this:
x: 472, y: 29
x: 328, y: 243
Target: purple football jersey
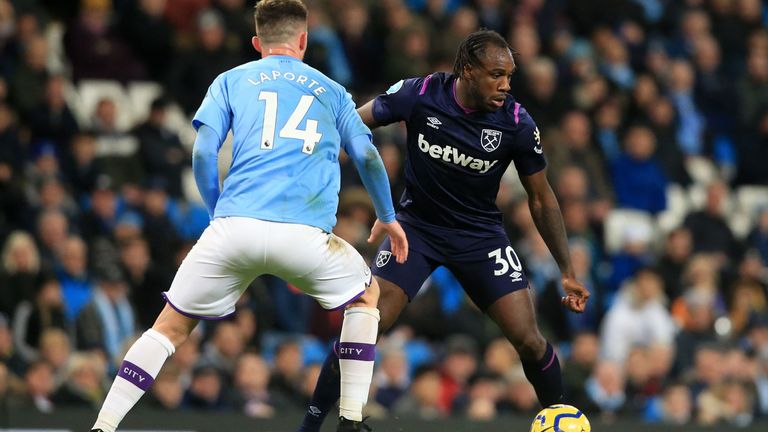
x: 456, y: 157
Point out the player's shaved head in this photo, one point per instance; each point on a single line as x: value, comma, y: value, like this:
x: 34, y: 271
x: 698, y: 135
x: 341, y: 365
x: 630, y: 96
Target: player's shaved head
x: 279, y: 20
x: 472, y: 49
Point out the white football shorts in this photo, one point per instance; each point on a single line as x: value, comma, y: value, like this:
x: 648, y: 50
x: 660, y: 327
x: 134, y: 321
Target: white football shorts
x: 235, y: 250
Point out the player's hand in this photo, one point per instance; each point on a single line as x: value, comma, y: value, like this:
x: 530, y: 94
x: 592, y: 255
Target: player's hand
x: 396, y: 237
x: 576, y: 295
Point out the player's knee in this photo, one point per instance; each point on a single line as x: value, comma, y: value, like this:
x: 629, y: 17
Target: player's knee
x: 176, y: 334
x: 173, y: 325
x: 531, y: 345
x: 370, y: 297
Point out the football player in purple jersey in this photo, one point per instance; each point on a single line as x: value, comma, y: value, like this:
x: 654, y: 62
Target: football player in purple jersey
x: 464, y: 129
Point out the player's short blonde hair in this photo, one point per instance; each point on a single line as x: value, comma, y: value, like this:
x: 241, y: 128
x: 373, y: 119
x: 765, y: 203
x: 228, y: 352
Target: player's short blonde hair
x: 279, y: 20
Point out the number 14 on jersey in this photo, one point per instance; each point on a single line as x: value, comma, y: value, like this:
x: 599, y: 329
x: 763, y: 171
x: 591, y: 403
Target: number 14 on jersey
x: 309, y: 135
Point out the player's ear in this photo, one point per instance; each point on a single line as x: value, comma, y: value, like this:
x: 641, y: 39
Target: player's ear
x: 303, y: 41
x: 256, y: 43
x: 466, y: 72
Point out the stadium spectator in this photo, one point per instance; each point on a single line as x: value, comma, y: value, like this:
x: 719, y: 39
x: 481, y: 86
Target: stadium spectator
x: 638, y: 317
x: 423, y: 398
x: 161, y: 152
x: 223, y: 350
x: 700, y: 79
x: 167, y: 390
x: 194, y: 70
x: 285, y: 382
x: 145, y: 279
x: 18, y: 271
x: 38, y: 388
x: 638, y: 179
x: 205, y: 392
x: 392, y: 379
x: 84, y: 386
x: 252, y: 396
x: 94, y: 46
x: 671, y: 265
x: 115, y: 147
x: 32, y: 318
x: 709, y: 227
x: 52, y: 119
x: 108, y: 321
x: 150, y: 36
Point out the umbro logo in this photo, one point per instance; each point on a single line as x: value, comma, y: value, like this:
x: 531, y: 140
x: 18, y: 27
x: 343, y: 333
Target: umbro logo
x: 537, y: 136
x: 516, y: 276
x: 434, y: 122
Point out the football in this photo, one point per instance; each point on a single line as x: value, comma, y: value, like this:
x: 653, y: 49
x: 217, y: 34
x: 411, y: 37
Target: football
x: 560, y: 418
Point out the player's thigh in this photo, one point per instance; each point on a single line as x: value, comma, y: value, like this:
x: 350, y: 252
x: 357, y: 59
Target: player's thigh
x: 217, y: 269
x: 392, y: 301
x: 399, y: 283
x: 493, y: 274
x: 321, y: 264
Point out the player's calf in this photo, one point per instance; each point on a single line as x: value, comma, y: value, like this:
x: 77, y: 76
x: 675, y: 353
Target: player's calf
x: 141, y: 365
x: 357, y: 351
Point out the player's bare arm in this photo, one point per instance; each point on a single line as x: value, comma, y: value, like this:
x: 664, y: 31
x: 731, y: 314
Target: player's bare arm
x: 549, y: 221
x: 366, y: 113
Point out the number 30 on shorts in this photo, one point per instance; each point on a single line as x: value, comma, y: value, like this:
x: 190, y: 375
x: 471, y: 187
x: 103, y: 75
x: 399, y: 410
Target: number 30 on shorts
x: 511, y: 261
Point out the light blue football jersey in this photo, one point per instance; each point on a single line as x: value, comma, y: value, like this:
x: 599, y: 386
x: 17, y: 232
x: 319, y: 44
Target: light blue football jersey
x: 289, y: 122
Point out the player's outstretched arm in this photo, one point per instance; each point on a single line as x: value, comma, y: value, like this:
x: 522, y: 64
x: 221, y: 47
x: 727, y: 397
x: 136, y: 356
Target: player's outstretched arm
x: 366, y: 113
x: 205, y: 166
x: 374, y: 176
x: 549, y: 221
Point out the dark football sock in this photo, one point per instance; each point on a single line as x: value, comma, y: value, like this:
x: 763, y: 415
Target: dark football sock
x: 326, y: 393
x: 545, y: 377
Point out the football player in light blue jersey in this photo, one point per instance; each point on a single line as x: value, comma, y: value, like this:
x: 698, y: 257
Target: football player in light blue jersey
x: 275, y: 211
x: 289, y: 120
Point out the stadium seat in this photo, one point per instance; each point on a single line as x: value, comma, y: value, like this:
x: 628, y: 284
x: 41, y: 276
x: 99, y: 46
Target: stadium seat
x: 677, y: 207
x: 752, y: 199
x: 141, y: 95
x: 701, y: 169
x: 620, y: 222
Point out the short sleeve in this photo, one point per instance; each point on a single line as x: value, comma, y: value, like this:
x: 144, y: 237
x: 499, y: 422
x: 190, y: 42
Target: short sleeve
x: 529, y: 157
x: 215, y: 111
x: 397, y: 103
x: 348, y: 121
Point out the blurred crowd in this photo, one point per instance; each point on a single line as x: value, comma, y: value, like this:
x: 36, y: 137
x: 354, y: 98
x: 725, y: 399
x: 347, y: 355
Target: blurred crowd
x: 654, y: 119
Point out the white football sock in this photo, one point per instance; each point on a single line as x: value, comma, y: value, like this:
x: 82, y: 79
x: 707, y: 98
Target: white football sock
x: 357, y: 352
x: 141, y: 365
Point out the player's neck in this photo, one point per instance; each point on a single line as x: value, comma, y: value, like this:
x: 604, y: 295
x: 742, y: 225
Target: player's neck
x: 282, y: 50
x: 462, y: 97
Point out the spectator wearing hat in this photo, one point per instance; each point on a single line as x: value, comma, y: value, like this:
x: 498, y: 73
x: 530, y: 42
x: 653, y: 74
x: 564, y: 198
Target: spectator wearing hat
x: 108, y: 320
